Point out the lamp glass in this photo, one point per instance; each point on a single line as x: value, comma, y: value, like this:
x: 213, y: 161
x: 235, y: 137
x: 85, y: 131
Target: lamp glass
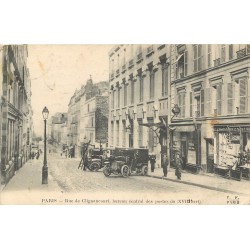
x: 45, y: 113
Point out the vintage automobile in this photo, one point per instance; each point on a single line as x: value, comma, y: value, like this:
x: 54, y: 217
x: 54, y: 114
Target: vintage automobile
x: 127, y: 161
x: 97, y: 158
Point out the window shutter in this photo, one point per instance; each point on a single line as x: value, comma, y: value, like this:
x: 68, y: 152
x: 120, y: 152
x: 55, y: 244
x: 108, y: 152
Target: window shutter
x: 231, y: 55
x: 199, y: 57
x: 219, y: 87
x: 195, y: 58
x: 202, y: 102
x: 243, y: 95
x: 183, y: 105
x: 185, y: 63
x: 230, y: 98
x: 208, y: 101
x: 166, y: 80
x: 248, y: 48
x: 191, y: 104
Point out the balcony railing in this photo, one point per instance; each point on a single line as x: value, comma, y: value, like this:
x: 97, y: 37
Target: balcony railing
x: 217, y: 62
x: 150, y: 50
x: 139, y: 57
x: 181, y: 48
x: 161, y: 46
x: 241, y: 53
x: 197, y: 113
x: 117, y: 72
x: 124, y: 68
x: 181, y: 75
x: 131, y: 63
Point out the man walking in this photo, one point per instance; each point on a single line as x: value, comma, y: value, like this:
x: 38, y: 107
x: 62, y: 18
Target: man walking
x: 165, y: 165
x: 178, y: 165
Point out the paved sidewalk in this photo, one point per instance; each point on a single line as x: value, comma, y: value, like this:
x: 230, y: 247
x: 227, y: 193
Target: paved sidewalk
x: 212, y: 182
x: 26, y: 186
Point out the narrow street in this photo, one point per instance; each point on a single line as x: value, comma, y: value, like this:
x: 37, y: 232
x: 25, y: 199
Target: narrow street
x: 67, y: 183
x: 73, y: 180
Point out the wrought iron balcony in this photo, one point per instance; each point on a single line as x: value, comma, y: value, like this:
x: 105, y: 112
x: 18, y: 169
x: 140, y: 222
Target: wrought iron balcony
x: 139, y: 57
x: 124, y: 68
x: 181, y: 75
x: 197, y: 113
x: 161, y: 46
x: 131, y: 63
x: 241, y: 53
x: 217, y: 62
x: 180, y: 48
x: 150, y: 50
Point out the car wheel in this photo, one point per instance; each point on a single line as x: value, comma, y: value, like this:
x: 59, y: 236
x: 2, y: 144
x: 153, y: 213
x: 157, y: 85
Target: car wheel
x: 106, y: 171
x: 125, y: 171
x: 94, y: 166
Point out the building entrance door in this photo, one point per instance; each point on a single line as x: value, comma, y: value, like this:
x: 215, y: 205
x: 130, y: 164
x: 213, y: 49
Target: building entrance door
x: 210, y: 155
x: 184, y: 153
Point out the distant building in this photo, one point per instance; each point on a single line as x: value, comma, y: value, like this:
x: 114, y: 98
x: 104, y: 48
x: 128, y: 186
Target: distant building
x: 94, y: 113
x: 58, y: 128
x: 88, y: 115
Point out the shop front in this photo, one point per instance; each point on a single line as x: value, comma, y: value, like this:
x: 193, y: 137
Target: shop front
x: 232, y: 144
x: 186, y: 140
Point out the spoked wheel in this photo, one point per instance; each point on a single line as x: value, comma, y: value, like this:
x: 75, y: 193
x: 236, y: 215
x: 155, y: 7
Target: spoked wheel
x: 125, y: 171
x: 144, y: 170
x: 107, y: 171
x: 94, y: 166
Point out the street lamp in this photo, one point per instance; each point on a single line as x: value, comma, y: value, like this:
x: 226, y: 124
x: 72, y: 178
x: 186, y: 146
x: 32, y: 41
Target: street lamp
x: 45, y: 113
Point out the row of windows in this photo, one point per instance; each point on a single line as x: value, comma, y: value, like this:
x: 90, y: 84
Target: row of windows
x: 206, y: 56
x: 209, y: 101
x: 116, y: 95
x: 152, y: 138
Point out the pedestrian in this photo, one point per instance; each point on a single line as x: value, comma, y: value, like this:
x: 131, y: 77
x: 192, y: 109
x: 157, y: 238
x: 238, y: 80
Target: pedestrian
x: 165, y: 164
x: 152, y: 159
x: 37, y: 155
x: 178, y: 165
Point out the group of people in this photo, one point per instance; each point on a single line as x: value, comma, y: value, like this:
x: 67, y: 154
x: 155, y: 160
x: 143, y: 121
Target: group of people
x: 36, y: 154
x: 177, y: 163
x: 68, y: 152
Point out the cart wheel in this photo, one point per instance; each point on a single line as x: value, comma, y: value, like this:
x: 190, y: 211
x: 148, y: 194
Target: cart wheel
x: 144, y: 170
x: 94, y: 166
x: 106, y: 171
x: 125, y: 171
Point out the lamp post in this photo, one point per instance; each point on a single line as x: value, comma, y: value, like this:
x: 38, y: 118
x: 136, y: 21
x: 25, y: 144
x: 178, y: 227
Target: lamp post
x: 176, y: 111
x: 45, y: 113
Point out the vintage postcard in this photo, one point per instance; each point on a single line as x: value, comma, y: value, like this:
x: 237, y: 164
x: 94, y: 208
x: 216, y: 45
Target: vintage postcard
x: 125, y: 124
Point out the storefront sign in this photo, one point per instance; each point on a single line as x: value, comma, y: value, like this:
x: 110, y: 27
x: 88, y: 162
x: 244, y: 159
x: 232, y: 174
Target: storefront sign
x: 230, y: 129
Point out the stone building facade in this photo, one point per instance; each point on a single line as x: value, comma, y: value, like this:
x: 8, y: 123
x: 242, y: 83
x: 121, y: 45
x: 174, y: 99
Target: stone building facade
x: 191, y: 98
x: 210, y: 84
x: 88, y: 106
x: 16, y: 118
x: 139, y: 97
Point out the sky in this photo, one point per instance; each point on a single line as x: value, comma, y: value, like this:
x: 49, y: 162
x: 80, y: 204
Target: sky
x: 56, y: 71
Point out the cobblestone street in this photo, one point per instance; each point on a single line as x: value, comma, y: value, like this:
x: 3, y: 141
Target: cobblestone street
x: 68, y: 182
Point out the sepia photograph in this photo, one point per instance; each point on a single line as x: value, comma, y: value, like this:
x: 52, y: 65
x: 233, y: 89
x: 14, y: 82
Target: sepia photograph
x: 125, y: 124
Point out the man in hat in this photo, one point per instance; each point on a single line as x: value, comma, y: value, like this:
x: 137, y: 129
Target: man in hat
x: 165, y: 165
x: 178, y: 165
